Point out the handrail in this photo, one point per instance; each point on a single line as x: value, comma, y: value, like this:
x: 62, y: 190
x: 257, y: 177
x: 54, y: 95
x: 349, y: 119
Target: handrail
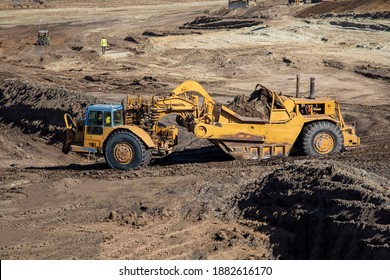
x: 66, y: 118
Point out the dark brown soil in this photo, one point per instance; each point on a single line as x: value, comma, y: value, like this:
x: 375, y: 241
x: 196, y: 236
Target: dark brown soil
x: 206, y: 22
x: 322, y: 212
x: 343, y: 7
x: 257, y: 105
x: 333, y: 63
x: 39, y: 109
x: 374, y: 72
x: 360, y: 26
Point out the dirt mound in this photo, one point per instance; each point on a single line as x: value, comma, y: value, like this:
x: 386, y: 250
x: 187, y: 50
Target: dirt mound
x: 23, y: 4
x: 348, y: 6
x: 225, y: 18
x: 256, y: 106
x: 360, y: 26
x: 39, y: 109
x: 262, y: 10
x: 374, y: 72
x: 206, y: 22
x: 322, y: 212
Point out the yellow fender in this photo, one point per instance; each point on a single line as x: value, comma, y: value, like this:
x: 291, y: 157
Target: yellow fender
x: 142, y: 134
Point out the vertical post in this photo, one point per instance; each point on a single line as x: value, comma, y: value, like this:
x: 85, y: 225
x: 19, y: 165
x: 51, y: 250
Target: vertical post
x: 312, y: 88
x: 297, y: 89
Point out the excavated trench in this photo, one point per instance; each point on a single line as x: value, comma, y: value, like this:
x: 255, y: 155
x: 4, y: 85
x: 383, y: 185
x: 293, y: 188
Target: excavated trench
x: 322, y: 212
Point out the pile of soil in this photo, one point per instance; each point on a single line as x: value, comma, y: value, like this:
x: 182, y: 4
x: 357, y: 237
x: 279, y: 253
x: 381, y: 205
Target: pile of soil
x: 322, y: 211
x: 39, y: 109
x: 374, y: 71
x: 225, y: 18
x: 347, y: 6
x: 23, y: 4
x: 257, y: 105
x: 356, y: 25
x: 206, y: 22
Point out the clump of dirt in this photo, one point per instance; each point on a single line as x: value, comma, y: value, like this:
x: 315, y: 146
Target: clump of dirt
x: 256, y: 106
x: 334, y: 63
x: 39, y: 109
x: 147, y: 81
x: 225, y: 18
x: 24, y: 3
x: 373, y: 71
x: 159, y: 33
x: 131, y: 39
x: 348, y: 6
x: 322, y: 211
x: 354, y: 25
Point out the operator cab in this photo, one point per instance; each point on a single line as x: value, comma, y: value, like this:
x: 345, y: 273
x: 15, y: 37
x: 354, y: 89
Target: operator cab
x: 100, y: 116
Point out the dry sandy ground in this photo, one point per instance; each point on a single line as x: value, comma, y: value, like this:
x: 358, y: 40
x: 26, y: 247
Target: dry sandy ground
x: 197, y: 204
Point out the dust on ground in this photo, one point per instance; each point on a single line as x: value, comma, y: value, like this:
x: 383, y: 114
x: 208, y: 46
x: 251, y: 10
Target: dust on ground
x: 198, y: 203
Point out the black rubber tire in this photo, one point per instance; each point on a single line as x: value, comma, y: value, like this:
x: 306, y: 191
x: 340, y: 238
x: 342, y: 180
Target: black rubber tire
x: 147, y: 159
x: 127, y: 140
x: 313, y: 132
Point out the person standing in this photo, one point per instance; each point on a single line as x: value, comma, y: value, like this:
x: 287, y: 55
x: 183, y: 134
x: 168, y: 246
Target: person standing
x: 103, y: 44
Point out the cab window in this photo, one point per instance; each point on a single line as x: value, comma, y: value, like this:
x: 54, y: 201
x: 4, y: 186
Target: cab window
x: 107, y: 118
x: 95, y: 123
x: 118, y: 117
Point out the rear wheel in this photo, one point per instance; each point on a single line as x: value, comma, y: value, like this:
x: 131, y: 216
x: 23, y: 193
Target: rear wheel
x: 125, y: 151
x: 322, y: 138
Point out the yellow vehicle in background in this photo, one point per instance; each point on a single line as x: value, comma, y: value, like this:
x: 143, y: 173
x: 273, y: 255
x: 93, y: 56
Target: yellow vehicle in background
x: 130, y: 134
x: 297, y: 2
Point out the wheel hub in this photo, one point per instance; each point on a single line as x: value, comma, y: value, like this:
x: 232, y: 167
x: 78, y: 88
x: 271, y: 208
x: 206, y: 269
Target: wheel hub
x: 323, y: 143
x: 123, y: 153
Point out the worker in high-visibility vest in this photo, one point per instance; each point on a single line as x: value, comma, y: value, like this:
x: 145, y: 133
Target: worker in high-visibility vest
x: 108, y: 121
x: 103, y: 44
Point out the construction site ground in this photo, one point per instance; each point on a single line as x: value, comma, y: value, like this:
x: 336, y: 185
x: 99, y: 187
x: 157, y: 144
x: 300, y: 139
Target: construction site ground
x: 198, y: 203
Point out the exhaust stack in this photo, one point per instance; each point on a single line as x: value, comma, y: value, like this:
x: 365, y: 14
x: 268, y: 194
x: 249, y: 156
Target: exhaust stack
x: 312, y: 88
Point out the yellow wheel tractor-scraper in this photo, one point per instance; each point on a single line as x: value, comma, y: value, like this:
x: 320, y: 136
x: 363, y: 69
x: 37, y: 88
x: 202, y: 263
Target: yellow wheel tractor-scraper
x: 130, y: 134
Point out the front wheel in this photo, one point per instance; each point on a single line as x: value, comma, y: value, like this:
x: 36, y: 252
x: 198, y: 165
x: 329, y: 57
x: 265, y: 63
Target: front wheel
x: 322, y: 138
x: 125, y: 151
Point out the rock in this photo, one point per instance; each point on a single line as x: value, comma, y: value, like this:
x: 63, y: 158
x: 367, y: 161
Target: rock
x: 287, y: 60
x: 113, y: 216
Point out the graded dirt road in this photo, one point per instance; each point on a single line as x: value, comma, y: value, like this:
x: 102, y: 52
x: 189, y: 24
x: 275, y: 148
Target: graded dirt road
x: 198, y: 203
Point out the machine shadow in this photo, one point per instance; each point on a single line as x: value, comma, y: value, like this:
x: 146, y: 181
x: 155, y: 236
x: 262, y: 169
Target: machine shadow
x: 73, y: 167
x: 198, y: 155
